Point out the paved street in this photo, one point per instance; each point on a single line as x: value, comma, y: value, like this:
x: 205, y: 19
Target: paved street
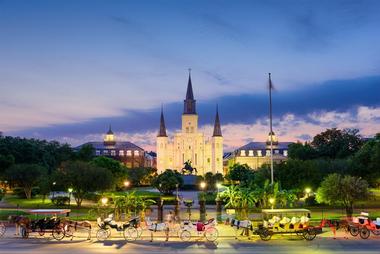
x: 280, y: 244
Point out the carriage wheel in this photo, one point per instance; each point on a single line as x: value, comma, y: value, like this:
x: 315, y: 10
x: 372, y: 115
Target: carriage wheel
x: 130, y: 234
x: 265, y: 235
x: 365, y: 233
x: 185, y: 235
x: 102, y: 234
x: 24, y: 232
x: 211, y: 234
x: 309, y: 234
x: 2, y: 230
x: 58, y: 234
x: 354, y: 231
x: 139, y: 232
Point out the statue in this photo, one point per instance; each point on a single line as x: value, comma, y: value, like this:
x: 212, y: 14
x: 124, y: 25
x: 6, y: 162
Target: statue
x: 188, y: 169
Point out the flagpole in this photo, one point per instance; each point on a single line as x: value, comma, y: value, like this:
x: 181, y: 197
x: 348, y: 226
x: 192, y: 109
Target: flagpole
x: 271, y: 130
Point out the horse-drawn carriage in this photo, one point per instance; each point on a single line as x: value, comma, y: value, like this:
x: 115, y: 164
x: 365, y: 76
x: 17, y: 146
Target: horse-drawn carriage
x: 362, y: 225
x: 279, y: 221
x: 204, y: 229
x: 128, y: 229
x: 52, y: 224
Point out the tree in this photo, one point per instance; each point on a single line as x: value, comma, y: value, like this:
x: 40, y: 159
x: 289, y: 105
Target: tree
x: 167, y: 181
x: 141, y: 176
x: 119, y: 172
x: 335, y: 143
x: 336, y: 189
x: 86, y: 153
x: 301, y: 151
x: 212, y: 180
x: 231, y: 196
x: 241, y: 173
x: 26, y: 176
x: 366, y: 162
x: 5, y: 162
x: 84, y: 178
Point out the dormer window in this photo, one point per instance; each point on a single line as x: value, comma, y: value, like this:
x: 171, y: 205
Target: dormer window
x: 242, y: 152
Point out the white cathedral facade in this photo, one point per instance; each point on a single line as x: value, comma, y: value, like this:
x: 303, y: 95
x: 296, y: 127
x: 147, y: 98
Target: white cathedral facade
x: 205, y: 154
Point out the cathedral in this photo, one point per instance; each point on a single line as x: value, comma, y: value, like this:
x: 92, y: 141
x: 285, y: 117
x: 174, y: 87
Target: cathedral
x: 205, y: 154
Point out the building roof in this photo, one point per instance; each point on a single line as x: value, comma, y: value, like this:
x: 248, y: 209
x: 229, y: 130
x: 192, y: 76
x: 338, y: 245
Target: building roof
x: 217, y: 130
x: 162, y: 131
x: 189, y: 106
x: 263, y: 146
x: 118, y: 145
x: 110, y: 132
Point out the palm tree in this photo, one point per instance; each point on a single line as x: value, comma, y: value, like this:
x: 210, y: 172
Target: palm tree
x: 232, y: 196
x: 247, y: 200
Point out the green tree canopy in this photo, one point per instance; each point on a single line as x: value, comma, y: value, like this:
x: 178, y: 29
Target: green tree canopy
x: 166, y: 182
x: 335, y: 143
x: 301, y: 151
x: 241, y: 173
x: 84, y: 178
x: 119, y: 172
x: 366, y: 162
x: 86, y: 153
x: 25, y: 176
x: 345, y: 190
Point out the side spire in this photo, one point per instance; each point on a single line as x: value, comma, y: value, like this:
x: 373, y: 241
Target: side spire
x: 217, y: 130
x: 162, y: 132
x: 189, y: 102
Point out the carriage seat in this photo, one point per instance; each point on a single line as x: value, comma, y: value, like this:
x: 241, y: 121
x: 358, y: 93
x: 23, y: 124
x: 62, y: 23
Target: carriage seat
x: 274, y: 220
x: 304, y: 220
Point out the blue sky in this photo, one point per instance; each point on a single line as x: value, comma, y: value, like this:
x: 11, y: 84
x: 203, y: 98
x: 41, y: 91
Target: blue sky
x: 70, y: 68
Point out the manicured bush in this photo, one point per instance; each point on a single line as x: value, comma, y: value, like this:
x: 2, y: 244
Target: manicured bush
x: 60, y: 201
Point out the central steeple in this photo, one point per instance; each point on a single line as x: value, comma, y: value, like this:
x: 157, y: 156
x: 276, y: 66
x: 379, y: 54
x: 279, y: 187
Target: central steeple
x: 189, y: 102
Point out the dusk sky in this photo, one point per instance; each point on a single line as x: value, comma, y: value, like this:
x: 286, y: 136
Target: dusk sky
x: 68, y: 69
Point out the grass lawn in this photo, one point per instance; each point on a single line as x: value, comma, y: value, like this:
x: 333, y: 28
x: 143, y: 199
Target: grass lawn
x: 6, y: 212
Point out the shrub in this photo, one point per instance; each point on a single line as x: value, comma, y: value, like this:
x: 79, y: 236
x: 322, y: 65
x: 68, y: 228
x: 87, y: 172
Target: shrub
x: 60, y: 201
x: 2, y: 194
x: 310, y: 201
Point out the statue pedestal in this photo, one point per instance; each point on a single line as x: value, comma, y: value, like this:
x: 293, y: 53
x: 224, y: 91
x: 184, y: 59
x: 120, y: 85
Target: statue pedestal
x: 189, y: 180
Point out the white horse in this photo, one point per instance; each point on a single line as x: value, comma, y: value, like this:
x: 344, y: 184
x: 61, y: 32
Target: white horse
x: 157, y: 227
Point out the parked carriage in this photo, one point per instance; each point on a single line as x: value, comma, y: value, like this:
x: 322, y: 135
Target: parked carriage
x: 362, y: 225
x: 200, y: 229
x: 51, y: 224
x: 128, y: 229
x: 278, y: 221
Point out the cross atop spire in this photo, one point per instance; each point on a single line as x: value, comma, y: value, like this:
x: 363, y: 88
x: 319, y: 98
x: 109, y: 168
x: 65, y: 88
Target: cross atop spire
x: 189, y: 102
x: 217, y: 130
x: 162, y: 131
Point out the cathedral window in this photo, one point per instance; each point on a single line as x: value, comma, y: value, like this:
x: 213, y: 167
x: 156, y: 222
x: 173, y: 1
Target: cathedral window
x: 208, y: 160
x: 196, y: 159
x: 242, y: 152
x: 250, y: 153
x: 192, y: 129
x: 129, y: 153
x: 187, y: 129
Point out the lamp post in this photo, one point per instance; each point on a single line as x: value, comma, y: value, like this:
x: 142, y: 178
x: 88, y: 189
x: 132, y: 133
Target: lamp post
x: 202, y: 202
x: 104, y: 201
x: 54, y: 183
x: 308, y: 191
x: 271, y: 201
x: 127, y: 184
x: 218, y: 203
x: 70, y: 190
x: 176, y: 209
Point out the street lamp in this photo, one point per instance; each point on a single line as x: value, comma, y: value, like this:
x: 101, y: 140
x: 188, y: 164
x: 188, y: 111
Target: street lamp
x: 218, y: 186
x: 203, y: 185
x: 70, y: 190
x: 271, y: 201
x: 104, y: 201
x: 308, y: 191
x: 127, y: 183
x: 54, y: 183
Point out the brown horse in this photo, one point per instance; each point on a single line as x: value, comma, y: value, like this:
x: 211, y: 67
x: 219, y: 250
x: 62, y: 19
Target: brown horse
x: 72, y: 226
x: 19, y: 221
